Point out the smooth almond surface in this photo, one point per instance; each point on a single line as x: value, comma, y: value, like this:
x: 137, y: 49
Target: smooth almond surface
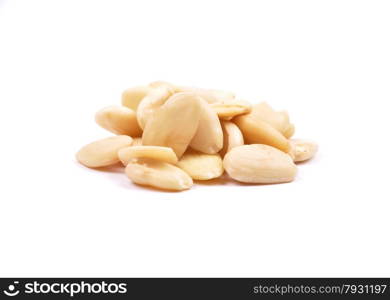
x: 156, y: 152
x: 119, y: 120
x: 174, y: 124
x: 259, y: 164
x: 133, y: 96
x: 232, y: 137
x: 280, y: 120
x: 230, y: 109
x: 150, y: 172
x: 152, y: 101
x: 103, y: 152
x: 256, y: 131
x: 201, y: 166
x: 209, y: 136
x: 303, y: 150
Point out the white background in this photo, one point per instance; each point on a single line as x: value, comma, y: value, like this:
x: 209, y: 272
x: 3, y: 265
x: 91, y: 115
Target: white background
x: 326, y: 62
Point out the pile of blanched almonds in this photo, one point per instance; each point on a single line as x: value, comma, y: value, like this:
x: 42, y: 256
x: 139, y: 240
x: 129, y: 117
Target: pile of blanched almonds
x: 169, y: 135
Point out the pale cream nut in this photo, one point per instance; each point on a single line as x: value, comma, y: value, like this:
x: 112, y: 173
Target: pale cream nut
x: 174, y: 124
x: 278, y: 119
x: 119, y: 120
x: 156, y: 152
x: 256, y: 131
x: 150, y: 172
x: 259, y: 164
x: 133, y: 96
x: 152, y: 101
x: 209, y: 136
x: 229, y: 109
x: 103, y: 152
x: 303, y: 150
x: 201, y: 166
x: 232, y: 137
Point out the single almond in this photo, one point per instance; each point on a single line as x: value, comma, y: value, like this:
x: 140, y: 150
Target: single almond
x: 150, y: 172
x: 133, y: 96
x: 209, y: 136
x: 201, y: 166
x: 119, y: 120
x: 303, y: 150
x: 152, y: 101
x: 174, y: 124
x: 229, y: 109
x: 278, y: 119
x: 156, y: 152
x: 259, y: 164
x: 256, y: 131
x: 103, y: 152
x: 232, y: 137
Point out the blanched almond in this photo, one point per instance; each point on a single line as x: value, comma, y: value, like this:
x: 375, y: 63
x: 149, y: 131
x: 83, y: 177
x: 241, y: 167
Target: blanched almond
x: 119, y: 120
x: 152, y: 101
x: 174, y: 124
x: 208, y: 137
x: 201, y: 166
x: 103, y: 152
x: 156, y: 152
x: 256, y: 131
x: 133, y: 96
x: 259, y: 164
x: 146, y: 171
x: 278, y: 120
x: 230, y: 109
x: 232, y: 137
x: 303, y: 149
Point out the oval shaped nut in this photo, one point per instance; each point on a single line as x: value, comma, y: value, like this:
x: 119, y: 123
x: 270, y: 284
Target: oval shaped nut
x: 152, y: 101
x: 137, y: 141
x: 201, y: 166
x: 259, y: 164
x: 232, y: 137
x: 133, y: 96
x: 150, y: 172
x: 119, y: 120
x: 278, y: 120
x: 156, y: 152
x: 103, y: 152
x: 256, y: 131
x: 174, y: 124
x: 230, y: 109
x: 303, y: 150
x: 209, y: 136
